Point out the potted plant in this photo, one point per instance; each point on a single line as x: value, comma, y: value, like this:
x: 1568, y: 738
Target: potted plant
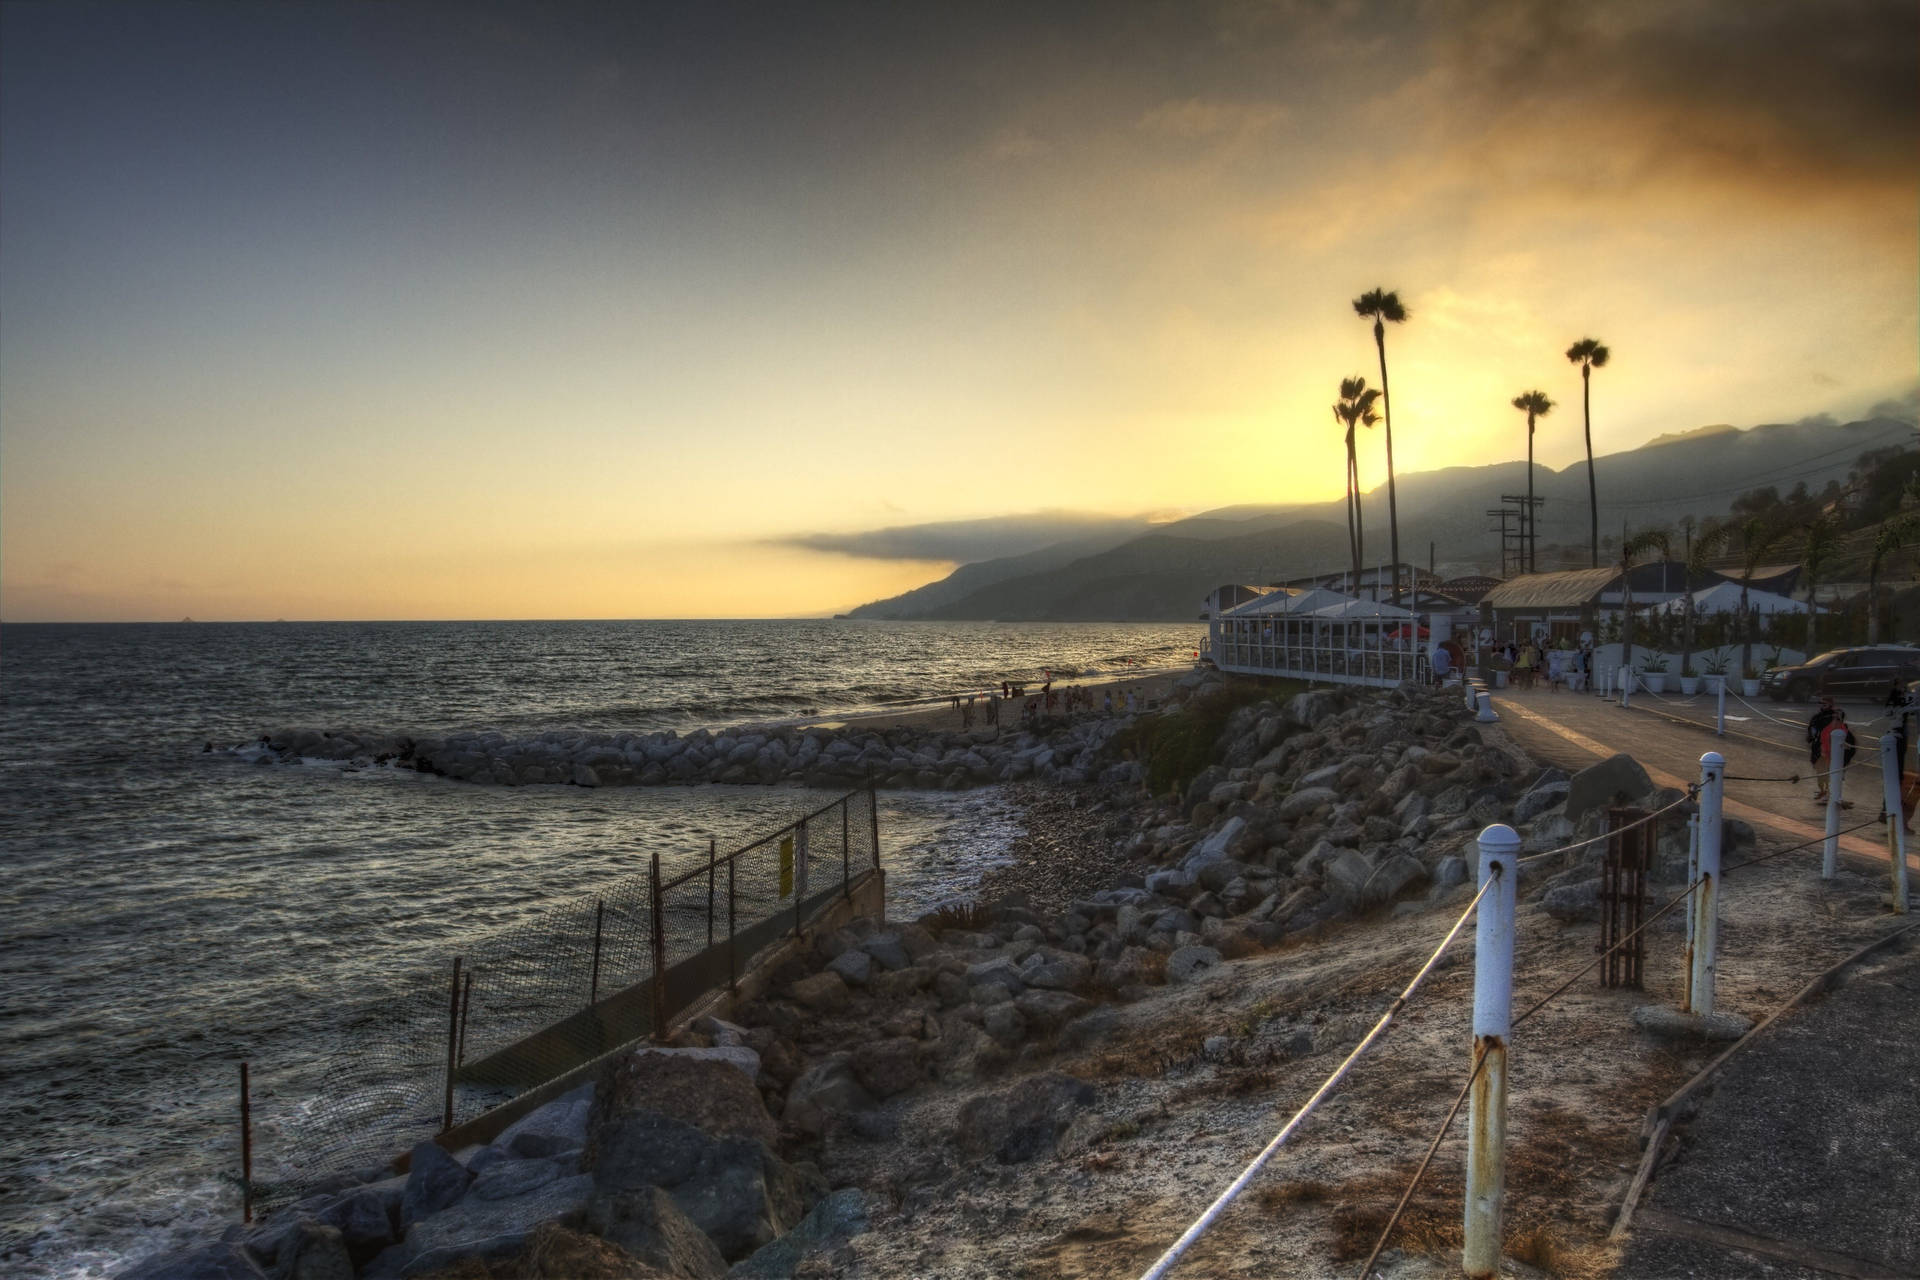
x: 1716, y: 667
x: 1750, y: 682
x: 1689, y: 680
x: 1653, y: 673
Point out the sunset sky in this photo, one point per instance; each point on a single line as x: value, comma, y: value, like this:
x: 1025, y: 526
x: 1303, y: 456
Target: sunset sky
x: 410, y: 311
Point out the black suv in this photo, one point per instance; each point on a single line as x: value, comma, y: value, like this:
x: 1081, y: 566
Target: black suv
x: 1865, y: 672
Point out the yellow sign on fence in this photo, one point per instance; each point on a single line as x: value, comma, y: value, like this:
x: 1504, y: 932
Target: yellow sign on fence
x: 786, y: 866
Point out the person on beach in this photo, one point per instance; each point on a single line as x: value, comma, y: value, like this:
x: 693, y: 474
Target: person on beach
x: 1816, y: 725
x: 1108, y: 709
x: 1442, y: 662
x: 1556, y: 670
x: 1835, y: 739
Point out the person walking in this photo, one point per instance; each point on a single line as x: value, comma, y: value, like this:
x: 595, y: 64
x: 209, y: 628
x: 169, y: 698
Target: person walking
x: 1816, y: 743
x: 1835, y: 739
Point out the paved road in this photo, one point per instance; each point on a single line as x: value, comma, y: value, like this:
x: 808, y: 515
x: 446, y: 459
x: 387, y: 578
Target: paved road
x: 1576, y: 729
x: 1804, y: 1161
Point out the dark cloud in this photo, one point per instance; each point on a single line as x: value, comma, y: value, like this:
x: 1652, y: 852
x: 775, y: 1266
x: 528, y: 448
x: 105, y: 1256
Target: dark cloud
x: 965, y: 541
x: 1756, y: 89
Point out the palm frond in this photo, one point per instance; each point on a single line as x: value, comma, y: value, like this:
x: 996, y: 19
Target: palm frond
x: 1532, y: 403
x: 1644, y: 541
x: 1352, y: 388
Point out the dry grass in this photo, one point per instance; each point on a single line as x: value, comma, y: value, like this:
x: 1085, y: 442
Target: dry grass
x: 1144, y: 1056
x: 959, y: 914
x: 1300, y: 1191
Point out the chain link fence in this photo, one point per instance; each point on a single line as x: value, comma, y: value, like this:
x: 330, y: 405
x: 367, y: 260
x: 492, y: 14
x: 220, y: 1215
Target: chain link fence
x: 517, y: 1008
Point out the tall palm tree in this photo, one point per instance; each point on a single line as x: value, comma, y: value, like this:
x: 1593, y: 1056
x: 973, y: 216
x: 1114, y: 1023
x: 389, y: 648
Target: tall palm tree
x: 1822, y: 533
x: 1589, y: 355
x: 1535, y: 405
x: 1383, y: 306
x: 1631, y: 549
x: 1354, y: 410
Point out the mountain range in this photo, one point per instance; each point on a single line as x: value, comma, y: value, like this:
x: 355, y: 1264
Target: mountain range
x: 1128, y: 571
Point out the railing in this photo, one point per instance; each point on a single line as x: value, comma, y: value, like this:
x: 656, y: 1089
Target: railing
x: 1326, y: 663
x: 1484, y: 1090
x: 522, y: 1007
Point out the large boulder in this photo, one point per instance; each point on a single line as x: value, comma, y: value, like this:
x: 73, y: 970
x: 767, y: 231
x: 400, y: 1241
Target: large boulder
x: 1312, y: 709
x: 1188, y: 963
x: 647, y: 1223
x: 1214, y: 847
x: 435, y: 1180
x: 560, y: 1125
x: 886, y: 1067
x: 1306, y: 800
x: 475, y: 1228
x: 1616, y: 780
x: 1024, y: 1121
x: 698, y: 1130
x: 1050, y: 1010
x: 823, y: 992
x: 1348, y: 875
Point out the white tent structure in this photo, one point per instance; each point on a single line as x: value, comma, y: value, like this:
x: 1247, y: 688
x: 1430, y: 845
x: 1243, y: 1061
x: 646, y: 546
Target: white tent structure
x: 1724, y: 597
x: 1318, y: 635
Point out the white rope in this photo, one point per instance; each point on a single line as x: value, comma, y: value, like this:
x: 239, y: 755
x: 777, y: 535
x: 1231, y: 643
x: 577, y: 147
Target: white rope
x: 1239, y: 1184
x: 1605, y: 835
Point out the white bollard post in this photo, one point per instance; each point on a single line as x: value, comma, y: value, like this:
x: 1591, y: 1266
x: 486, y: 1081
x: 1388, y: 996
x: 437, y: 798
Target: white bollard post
x: 1473, y: 698
x: 1836, y: 776
x: 1701, y: 954
x: 1626, y: 687
x: 1896, y: 817
x: 1492, y: 1019
x: 1485, y: 701
x: 1720, y: 708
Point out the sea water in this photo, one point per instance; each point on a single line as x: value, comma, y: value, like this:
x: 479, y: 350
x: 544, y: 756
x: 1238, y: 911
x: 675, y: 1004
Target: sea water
x: 168, y: 911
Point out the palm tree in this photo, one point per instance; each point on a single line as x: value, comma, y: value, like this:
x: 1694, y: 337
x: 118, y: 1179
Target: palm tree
x: 1355, y: 410
x: 1631, y: 549
x: 1893, y: 536
x: 1589, y: 355
x: 1535, y: 405
x: 1382, y: 306
x: 1822, y: 533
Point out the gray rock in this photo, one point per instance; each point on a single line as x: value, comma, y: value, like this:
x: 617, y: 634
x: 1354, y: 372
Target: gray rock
x: 1312, y: 709
x: 1616, y: 779
x: 823, y: 992
x: 1091, y: 1028
x: 999, y: 971
x: 853, y: 965
x: 313, y: 1251
x: 505, y: 1178
x: 435, y: 1180
x: 1005, y: 1023
x: 1023, y: 1122
x: 740, y: 1057
x: 366, y: 1218
x: 482, y: 1228
x: 1573, y: 902
x: 1395, y: 876
x: 1050, y: 1010
x: 560, y: 1125
x: 1349, y: 874
x: 1305, y: 800
x: 825, y: 1095
x: 1188, y: 963
x: 837, y: 1217
x: 729, y: 1184
x: 1449, y: 871
x: 886, y: 1067
x: 1159, y: 882
x: 1057, y: 970
x: 647, y: 1222
x: 887, y: 950
x: 1537, y: 801
x: 1214, y: 847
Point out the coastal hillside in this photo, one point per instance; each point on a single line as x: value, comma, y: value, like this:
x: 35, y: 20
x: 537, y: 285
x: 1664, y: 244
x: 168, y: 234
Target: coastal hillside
x: 1165, y: 573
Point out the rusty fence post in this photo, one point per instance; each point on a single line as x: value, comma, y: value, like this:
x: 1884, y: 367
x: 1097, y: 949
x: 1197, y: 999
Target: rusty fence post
x: 846, y: 848
x: 466, y: 1007
x: 873, y: 820
x: 1703, y: 947
x: 659, y: 1010
x: 1693, y: 875
x: 799, y: 873
x: 713, y: 851
x: 453, y: 1046
x: 246, y: 1148
x: 1492, y: 1019
x: 1890, y: 768
x: 599, y: 921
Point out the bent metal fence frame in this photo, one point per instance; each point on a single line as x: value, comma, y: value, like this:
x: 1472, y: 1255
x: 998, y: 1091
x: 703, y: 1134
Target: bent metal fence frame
x: 521, y: 1007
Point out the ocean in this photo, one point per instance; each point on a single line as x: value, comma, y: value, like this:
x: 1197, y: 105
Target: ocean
x: 169, y: 910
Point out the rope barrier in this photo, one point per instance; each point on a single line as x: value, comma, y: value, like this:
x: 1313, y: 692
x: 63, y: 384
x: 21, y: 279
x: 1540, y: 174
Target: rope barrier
x: 1734, y: 777
x: 1205, y: 1220
x: 1808, y: 844
x: 1453, y: 1112
x: 1693, y: 790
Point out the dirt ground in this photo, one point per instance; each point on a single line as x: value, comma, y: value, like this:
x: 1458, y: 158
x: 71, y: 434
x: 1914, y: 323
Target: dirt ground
x: 1179, y: 1113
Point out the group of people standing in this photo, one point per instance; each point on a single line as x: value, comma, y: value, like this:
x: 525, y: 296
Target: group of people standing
x: 1530, y: 660
x: 1829, y: 735
x: 1047, y: 702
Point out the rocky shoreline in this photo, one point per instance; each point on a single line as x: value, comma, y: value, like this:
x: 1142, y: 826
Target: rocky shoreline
x: 1055, y: 750
x: 786, y: 1139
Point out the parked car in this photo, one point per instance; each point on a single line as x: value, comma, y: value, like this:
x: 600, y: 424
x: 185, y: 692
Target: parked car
x: 1864, y: 672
